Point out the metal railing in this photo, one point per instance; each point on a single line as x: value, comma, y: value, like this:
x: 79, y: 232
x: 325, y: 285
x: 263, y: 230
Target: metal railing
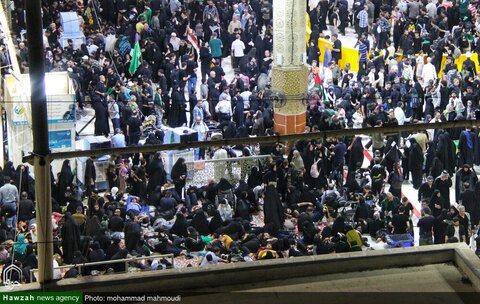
x: 126, y: 261
x: 257, y: 140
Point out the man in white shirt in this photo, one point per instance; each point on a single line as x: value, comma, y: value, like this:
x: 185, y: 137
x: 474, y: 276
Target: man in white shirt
x: 436, y: 119
x: 201, y: 127
x: 92, y: 49
x: 238, y: 48
x: 235, y: 24
x: 380, y: 82
x: 225, y: 94
x: 371, y: 76
x: 175, y: 6
x: 220, y: 167
x: 400, y: 114
x: 118, y: 140
x: 458, y: 105
x: 403, y: 6
x: 246, y: 99
x: 113, y: 112
x: 328, y: 75
x: 175, y: 42
x: 357, y: 118
x: 429, y: 72
x: 224, y: 110
x: 407, y: 72
x: 431, y: 9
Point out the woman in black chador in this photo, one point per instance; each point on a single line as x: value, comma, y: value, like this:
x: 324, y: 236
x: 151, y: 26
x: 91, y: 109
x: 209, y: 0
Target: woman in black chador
x: 90, y: 176
x: 200, y: 222
x: 101, y: 118
x: 156, y: 173
x: 415, y: 163
x: 65, y: 180
x: 273, y: 211
x: 179, y: 175
x: 180, y: 226
x: 70, y: 238
x: 177, y: 116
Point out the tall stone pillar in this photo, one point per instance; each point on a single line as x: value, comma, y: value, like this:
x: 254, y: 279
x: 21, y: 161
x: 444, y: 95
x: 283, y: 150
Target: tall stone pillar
x: 289, y: 73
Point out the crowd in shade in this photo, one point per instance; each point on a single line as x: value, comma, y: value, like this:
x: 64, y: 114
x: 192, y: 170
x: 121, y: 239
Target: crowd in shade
x: 151, y: 64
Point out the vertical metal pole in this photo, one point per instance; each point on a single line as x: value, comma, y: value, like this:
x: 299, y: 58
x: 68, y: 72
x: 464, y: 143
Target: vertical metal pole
x: 40, y: 139
x: 8, y: 12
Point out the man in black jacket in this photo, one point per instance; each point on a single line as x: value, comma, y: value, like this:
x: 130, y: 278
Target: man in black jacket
x: 26, y: 208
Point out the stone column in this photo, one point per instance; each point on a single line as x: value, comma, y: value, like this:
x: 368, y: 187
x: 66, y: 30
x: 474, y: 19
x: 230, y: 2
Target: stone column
x: 289, y: 73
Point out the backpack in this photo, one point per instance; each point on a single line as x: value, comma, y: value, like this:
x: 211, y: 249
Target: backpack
x: 314, y: 172
x: 353, y: 239
x: 415, y: 102
x: 123, y: 45
x: 121, y: 108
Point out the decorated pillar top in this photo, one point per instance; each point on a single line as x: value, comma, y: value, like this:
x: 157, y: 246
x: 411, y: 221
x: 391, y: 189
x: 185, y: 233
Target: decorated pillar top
x: 289, y: 33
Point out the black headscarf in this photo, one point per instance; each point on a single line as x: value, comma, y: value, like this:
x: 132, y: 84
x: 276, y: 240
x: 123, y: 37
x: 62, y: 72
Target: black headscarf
x: 180, y: 226
x: 224, y: 185
x: 22, y: 178
x: 70, y: 238
x: 242, y: 132
x: 242, y: 208
x: 9, y: 170
x: 90, y: 174
x: 338, y: 225
x: 97, y: 254
x: 65, y: 180
x: 200, y: 223
x: 92, y: 226
x: 120, y: 255
x: 242, y: 187
x: 216, y: 221
x: 238, y: 115
x: 152, y: 140
x: 30, y: 258
x: 272, y: 209
x: 113, y: 248
x: 255, y: 178
x: 132, y: 235
x: 356, y: 155
x: 178, y: 169
x: 156, y: 173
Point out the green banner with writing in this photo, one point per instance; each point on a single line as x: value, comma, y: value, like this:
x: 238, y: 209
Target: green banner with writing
x: 41, y: 297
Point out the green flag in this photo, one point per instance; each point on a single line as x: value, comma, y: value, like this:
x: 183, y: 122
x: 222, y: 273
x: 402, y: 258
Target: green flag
x: 135, y: 63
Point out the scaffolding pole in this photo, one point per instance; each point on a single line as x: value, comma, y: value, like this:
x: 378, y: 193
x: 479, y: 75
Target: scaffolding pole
x: 40, y: 140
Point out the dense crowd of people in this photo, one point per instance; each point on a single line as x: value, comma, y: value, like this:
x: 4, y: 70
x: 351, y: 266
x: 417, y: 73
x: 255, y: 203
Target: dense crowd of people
x: 317, y: 198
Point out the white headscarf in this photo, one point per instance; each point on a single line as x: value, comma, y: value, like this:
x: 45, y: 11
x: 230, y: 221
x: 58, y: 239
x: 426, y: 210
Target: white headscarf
x: 297, y: 161
x: 33, y: 234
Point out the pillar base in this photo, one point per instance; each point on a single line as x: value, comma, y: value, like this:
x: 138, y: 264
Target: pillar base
x: 290, y: 124
x: 293, y: 82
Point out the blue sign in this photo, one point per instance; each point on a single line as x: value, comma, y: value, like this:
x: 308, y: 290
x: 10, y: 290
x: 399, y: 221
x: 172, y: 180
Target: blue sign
x: 61, y: 139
